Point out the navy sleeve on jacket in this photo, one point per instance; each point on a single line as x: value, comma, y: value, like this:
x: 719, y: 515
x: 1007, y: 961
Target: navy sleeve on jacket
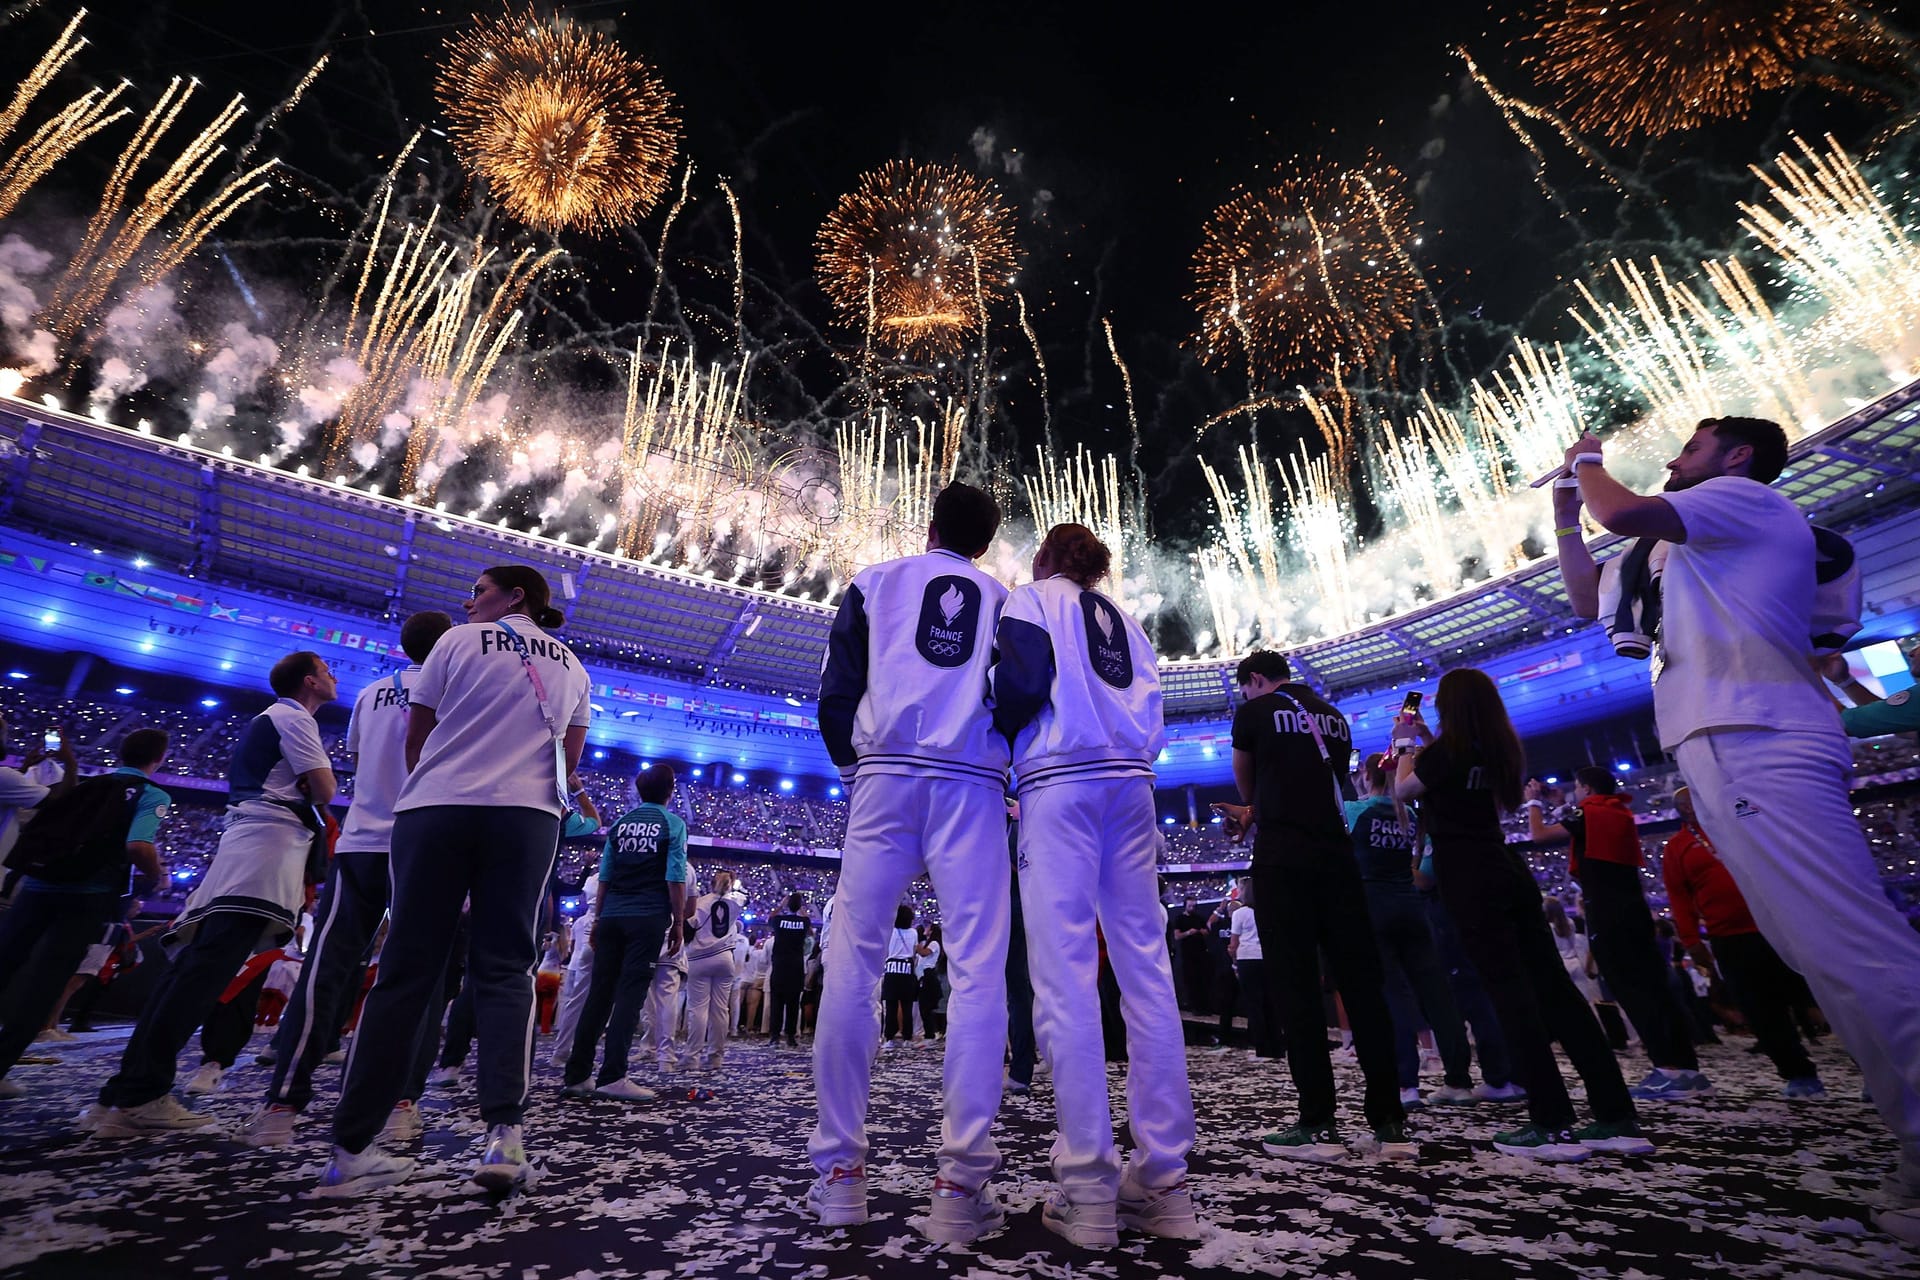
x: 1023, y: 676
x: 843, y: 679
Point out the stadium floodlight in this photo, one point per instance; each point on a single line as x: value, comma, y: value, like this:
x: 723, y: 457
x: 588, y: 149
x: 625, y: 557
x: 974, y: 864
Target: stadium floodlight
x: 786, y: 784
x: 123, y: 691
x: 738, y: 778
x: 48, y: 619
x: 16, y: 675
x: 209, y: 703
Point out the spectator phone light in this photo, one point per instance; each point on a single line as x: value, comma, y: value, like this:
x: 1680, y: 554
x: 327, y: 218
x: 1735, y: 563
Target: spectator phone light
x: 1411, y: 707
x: 53, y: 739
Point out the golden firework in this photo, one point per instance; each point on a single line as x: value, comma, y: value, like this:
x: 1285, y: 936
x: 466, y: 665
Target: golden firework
x: 1307, y: 269
x: 1654, y: 67
x: 915, y: 253
x: 565, y: 126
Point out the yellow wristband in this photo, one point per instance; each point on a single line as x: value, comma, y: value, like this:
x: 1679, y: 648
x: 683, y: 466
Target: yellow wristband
x: 1571, y: 531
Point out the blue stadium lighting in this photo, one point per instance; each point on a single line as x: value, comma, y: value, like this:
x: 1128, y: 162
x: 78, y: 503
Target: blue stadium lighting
x: 1217, y: 819
x: 1167, y: 821
x: 226, y: 666
x: 599, y: 754
x: 834, y: 792
x: 123, y: 691
x: 146, y: 646
x: 16, y: 675
x: 786, y: 784
x: 738, y: 778
x: 569, y: 906
x: 48, y: 619
x: 699, y: 773
x: 1207, y: 751
x: 1621, y: 766
x: 1552, y: 781
x: 183, y: 875
x: 140, y: 562
x: 209, y: 703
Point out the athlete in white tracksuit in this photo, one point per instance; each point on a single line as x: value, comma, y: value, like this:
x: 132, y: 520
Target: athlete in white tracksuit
x: 904, y: 713
x: 573, y: 993
x: 714, y: 924
x: 662, y: 1029
x: 1076, y: 689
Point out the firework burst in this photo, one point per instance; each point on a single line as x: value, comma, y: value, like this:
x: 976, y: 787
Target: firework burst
x: 916, y: 253
x: 1654, y: 67
x: 566, y: 127
x: 1309, y: 268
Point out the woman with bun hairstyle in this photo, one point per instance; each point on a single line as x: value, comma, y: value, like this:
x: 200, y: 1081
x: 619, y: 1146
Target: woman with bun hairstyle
x: 496, y: 722
x: 1077, y: 693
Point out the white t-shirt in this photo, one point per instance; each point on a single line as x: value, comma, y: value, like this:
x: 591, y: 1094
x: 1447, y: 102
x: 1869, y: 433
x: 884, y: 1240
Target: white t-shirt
x: 22, y: 791
x: 275, y: 750
x: 923, y: 963
x: 1245, y: 929
x: 1736, y: 616
x: 490, y: 745
x: 377, y: 735
x: 900, y: 947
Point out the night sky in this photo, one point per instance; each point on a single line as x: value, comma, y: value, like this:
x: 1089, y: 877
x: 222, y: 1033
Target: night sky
x: 1112, y: 130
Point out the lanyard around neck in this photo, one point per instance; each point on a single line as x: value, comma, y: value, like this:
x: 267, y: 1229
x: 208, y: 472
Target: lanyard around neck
x: 533, y: 677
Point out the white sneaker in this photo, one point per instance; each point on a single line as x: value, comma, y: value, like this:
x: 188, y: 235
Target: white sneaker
x: 93, y: 1117
x: 164, y: 1114
x: 1449, y: 1096
x: 9, y: 1089
x: 1508, y: 1092
x: 1410, y: 1099
x: 503, y: 1166
x: 839, y: 1199
x: 1009, y: 1085
x: 54, y: 1035
x: 206, y: 1079
x: 339, y: 1056
x: 956, y: 1215
x: 625, y: 1090
x: 270, y: 1126
x: 403, y: 1124
x: 1089, y: 1225
x: 1167, y: 1212
x: 444, y: 1077
x: 348, y: 1174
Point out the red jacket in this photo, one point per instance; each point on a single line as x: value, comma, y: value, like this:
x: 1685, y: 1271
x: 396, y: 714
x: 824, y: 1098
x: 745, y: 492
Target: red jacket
x: 1603, y: 830
x: 1700, y: 889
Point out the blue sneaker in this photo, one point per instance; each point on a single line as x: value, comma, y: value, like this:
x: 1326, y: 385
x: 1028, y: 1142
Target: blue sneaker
x: 1803, y: 1087
x: 1666, y: 1086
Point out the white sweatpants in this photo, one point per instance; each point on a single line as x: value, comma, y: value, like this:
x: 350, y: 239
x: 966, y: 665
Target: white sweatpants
x: 709, y: 1004
x: 1776, y: 807
x: 573, y: 998
x: 1088, y: 850
x: 663, y: 1014
x: 957, y: 833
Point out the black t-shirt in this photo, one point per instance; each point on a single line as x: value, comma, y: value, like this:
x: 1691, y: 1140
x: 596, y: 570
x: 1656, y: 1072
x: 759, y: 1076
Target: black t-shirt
x: 1297, y: 793
x: 1219, y: 930
x: 1458, y: 808
x: 1191, y: 948
x: 1381, y: 845
x: 789, y: 939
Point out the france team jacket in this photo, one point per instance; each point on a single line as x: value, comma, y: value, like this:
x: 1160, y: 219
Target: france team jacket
x: 1075, y: 687
x: 904, y: 686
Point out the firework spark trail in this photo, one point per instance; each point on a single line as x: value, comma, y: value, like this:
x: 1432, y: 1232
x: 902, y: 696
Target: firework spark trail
x: 739, y: 278
x: 1323, y: 522
x: 1752, y: 340
x: 1040, y: 363
x: 1413, y: 487
x: 1133, y: 419
x: 1476, y: 484
x: 1532, y: 409
x: 1085, y: 491
x: 1335, y: 419
x: 1654, y: 346
x: 63, y: 51
x: 1837, y: 238
x: 54, y: 140
x: 682, y: 453
x: 1250, y: 537
x: 280, y: 111
x: 90, y: 279
x: 660, y: 255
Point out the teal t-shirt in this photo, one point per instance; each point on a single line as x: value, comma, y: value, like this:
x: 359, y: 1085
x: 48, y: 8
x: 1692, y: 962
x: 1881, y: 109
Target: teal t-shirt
x: 646, y: 850
x: 1896, y: 713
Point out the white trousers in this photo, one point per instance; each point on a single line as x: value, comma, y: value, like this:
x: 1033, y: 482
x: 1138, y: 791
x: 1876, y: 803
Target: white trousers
x: 709, y: 1006
x: 957, y: 833
x: 663, y: 1014
x: 1088, y: 851
x: 1776, y: 807
x: 573, y: 998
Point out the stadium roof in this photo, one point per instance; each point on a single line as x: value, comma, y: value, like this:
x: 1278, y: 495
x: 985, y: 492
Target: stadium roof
x: 227, y: 520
